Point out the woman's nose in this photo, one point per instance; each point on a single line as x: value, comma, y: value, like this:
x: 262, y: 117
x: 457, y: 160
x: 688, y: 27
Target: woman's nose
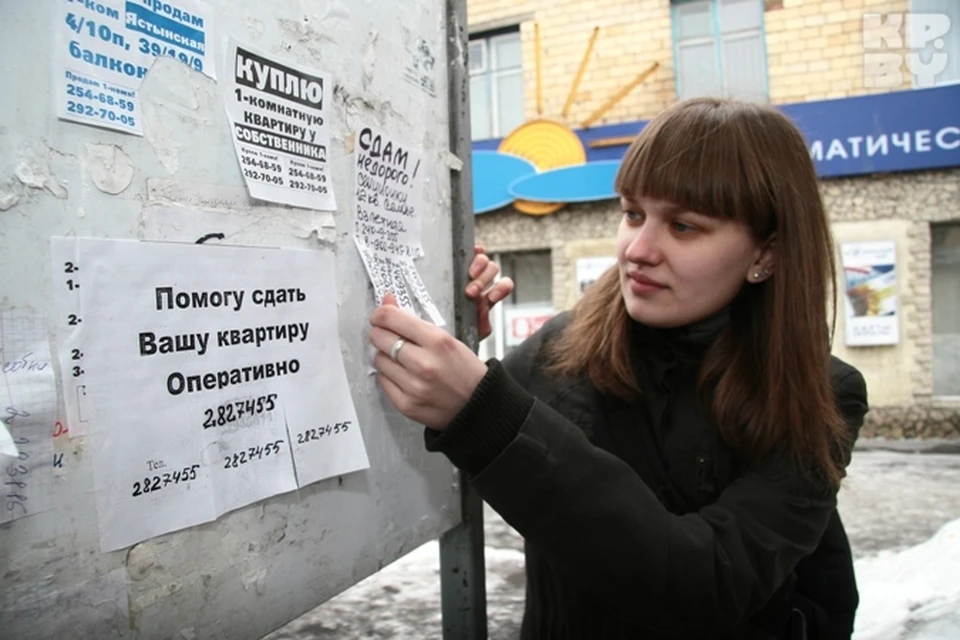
x: 645, y: 245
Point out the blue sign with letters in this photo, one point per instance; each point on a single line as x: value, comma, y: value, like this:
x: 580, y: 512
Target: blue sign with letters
x: 883, y: 133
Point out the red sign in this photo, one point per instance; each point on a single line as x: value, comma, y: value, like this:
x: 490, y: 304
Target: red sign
x: 524, y: 326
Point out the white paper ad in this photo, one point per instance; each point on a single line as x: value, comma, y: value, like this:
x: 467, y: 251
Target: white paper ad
x: 387, y: 227
x: 388, y: 195
x: 7, y: 446
x: 66, y: 283
x: 106, y: 47
x: 215, y: 380
x: 419, y: 68
x: 280, y: 128
x: 590, y: 269
x: 871, y: 300
x: 28, y: 406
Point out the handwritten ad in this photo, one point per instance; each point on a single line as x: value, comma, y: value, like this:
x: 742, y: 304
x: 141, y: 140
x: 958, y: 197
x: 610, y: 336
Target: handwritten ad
x: 214, y: 378
x: 28, y: 405
x: 387, y: 225
x: 280, y: 128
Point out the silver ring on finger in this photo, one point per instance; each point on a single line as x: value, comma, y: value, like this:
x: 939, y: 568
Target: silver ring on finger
x: 395, y: 349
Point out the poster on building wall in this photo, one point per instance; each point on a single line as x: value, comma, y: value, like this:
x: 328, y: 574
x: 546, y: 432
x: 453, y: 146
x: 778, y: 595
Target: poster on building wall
x: 524, y: 321
x: 590, y: 269
x: 870, y: 288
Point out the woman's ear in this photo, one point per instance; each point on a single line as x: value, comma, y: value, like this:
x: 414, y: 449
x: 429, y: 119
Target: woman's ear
x: 762, y: 268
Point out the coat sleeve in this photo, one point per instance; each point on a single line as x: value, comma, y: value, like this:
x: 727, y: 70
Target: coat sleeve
x: 596, y: 518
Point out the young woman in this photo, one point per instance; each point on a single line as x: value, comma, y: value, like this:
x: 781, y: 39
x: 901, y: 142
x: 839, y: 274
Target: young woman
x: 671, y: 449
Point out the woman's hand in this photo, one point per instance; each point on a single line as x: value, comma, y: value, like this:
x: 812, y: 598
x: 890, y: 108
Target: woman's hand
x: 431, y: 375
x: 482, y: 273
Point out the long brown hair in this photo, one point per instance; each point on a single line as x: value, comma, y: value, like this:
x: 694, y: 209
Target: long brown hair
x: 767, y: 377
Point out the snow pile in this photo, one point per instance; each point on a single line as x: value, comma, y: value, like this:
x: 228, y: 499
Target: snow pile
x: 914, y: 593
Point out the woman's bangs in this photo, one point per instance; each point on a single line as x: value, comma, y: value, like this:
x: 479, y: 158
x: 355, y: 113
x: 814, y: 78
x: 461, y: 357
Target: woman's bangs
x: 699, y: 159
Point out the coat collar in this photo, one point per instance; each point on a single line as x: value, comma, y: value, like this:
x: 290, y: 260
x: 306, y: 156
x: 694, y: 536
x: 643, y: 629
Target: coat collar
x: 687, y: 342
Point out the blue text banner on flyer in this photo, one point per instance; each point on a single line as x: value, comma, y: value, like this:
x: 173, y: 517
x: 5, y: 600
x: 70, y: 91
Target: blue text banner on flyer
x: 106, y: 47
x: 215, y: 380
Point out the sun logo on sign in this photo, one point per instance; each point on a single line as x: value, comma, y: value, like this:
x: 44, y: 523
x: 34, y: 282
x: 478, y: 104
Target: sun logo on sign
x: 545, y: 149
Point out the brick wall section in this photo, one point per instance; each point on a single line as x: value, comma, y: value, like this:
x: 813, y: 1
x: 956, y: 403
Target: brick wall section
x: 922, y: 197
x: 633, y: 34
x: 814, y: 50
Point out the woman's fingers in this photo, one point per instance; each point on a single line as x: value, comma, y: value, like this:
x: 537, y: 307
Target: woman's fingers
x: 485, y: 272
x: 500, y: 290
x: 480, y: 261
x: 394, y: 393
x: 389, y: 300
x: 384, y: 340
x: 404, y: 325
x: 395, y: 373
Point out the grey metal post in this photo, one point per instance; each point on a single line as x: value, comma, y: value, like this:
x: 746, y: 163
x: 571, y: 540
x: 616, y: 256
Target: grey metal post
x: 462, y: 570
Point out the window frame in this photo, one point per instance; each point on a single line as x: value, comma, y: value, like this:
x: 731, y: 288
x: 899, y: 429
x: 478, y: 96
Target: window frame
x: 491, y: 73
x: 717, y: 35
x: 936, y: 228
x: 495, y: 345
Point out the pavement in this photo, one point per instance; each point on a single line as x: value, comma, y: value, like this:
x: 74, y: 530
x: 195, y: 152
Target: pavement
x: 897, y: 496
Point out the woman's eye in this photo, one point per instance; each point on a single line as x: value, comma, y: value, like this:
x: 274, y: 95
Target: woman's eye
x: 682, y: 227
x: 633, y: 216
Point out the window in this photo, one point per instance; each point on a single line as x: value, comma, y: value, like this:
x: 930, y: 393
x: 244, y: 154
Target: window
x: 945, y: 276
x: 530, y: 305
x: 719, y: 49
x: 496, y: 84
x: 945, y: 50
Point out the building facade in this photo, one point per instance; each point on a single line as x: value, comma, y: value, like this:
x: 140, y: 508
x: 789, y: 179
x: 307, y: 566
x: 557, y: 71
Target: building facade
x: 873, y: 84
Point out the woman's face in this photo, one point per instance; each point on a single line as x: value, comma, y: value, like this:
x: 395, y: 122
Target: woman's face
x: 678, y: 267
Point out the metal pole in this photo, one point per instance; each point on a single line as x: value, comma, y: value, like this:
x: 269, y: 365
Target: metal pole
x: 462, y: 571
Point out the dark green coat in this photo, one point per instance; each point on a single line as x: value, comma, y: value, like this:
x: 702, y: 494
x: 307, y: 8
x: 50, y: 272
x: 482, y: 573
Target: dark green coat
x: 615, y: 551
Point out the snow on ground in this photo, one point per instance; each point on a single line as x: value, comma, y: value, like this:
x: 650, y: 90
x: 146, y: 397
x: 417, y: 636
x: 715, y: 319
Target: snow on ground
x: 913, y: 593
x: 901, y: 510
x: 402, y: 601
